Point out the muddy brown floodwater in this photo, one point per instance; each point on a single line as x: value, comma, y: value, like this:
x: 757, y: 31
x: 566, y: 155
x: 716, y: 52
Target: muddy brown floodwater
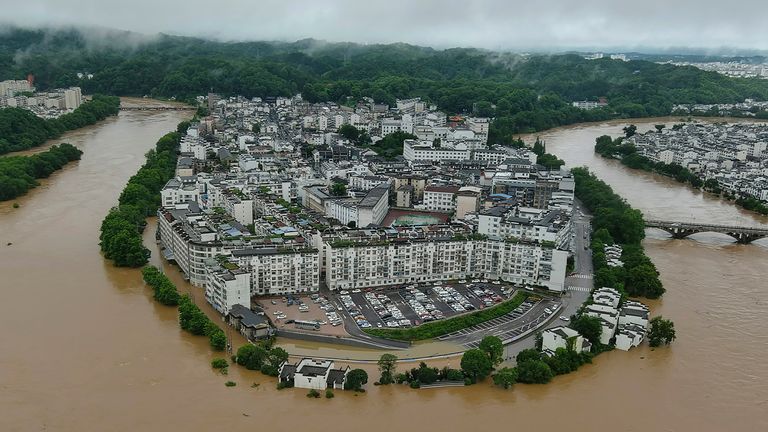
x: 84, y: 347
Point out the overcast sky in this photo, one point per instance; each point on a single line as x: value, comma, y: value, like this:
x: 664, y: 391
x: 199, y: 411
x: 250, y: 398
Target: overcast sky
x: 495, y: 24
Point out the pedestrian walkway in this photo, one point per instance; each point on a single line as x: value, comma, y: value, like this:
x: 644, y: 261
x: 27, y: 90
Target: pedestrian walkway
x: 579, y: 289
x: 582, y: 276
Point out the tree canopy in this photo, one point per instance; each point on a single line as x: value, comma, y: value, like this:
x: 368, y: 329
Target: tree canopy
x: 21, y: 129
x: 18, y: 174
x: 522, y: 93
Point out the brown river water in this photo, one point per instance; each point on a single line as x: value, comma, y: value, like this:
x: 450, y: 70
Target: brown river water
x: 84, y: 347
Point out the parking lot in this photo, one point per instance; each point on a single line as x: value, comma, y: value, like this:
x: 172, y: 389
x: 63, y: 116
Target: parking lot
x: 412, y: 305
x: 285, y: 311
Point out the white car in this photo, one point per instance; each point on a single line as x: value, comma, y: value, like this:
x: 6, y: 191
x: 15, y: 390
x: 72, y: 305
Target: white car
x: 564, y: 318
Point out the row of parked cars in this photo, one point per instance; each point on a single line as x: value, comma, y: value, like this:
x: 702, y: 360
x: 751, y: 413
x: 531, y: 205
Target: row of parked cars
x: 421, y: 304
x: 453, y: 298
x: 353, y: 310
x: 487, y: 296
x: 386, y: 310
x: 330, y: 311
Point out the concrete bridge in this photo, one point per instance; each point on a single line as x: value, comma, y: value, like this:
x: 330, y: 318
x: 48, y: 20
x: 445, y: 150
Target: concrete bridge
x: 681, y: 230
x: 155, y: 108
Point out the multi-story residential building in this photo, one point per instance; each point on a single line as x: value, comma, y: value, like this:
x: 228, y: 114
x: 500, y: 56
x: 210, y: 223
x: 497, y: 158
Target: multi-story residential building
x: 414, y: 151
x: 370, y: 210
x: 280, y: 271
x: 178, y: 190
x: 226, y: 286
x: 552, y: 226
x: 440, y: 198
x: 367, y: 182
x: 356, y: 259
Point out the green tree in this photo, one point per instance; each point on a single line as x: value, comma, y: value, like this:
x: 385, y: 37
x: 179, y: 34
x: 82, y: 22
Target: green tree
x: 527, y: 354
x: 493, y: 347
x: 251, y: 356
x: 349, y: 132
x: 505, y: 377
x: 662, y: 332
x: 659, y: 127
x: 630, y: 130
x: 643, y: 280
x: 256, y: 128
x: 277, y: 356
x: 356, y: 378
x: 338, y: 189
x: 387, y: 366
x: 589, y: 327
x: 534, y: 372
x: 476, y: 364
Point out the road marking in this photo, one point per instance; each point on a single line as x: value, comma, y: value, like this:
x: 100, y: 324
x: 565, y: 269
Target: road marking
x: 581, y: 276
x: 579, y: 289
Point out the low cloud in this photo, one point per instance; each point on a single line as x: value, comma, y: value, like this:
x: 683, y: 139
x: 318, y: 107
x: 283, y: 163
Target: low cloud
x: 501, y: 24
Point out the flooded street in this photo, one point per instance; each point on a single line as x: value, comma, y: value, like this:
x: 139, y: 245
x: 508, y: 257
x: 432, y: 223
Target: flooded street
x: 84, y: 346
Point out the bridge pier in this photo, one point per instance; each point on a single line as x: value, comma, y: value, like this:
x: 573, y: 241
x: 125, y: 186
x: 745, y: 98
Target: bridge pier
x: 744, y: 238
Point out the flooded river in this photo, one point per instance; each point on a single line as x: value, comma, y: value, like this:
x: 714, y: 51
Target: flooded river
x: 84, y: 347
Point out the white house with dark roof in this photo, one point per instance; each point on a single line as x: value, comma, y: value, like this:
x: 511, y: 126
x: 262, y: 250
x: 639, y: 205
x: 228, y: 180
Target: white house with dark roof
x: 609, y: 318
x: 628, y: 336
x: 633, y: 312
x: 558, y: 337
x: 313, y: 374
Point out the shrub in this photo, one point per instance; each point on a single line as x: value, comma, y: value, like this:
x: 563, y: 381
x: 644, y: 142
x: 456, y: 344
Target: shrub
x: 230, y: 383
x: 415, y: 384
x: 313, y: 394
x: 219, y: 363
x: 329, y: 394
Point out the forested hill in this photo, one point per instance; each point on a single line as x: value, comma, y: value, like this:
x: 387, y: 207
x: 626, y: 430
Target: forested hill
x: 529, y: 92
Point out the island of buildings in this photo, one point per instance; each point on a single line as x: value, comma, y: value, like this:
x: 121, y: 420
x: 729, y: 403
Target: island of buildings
x: 270, y: 200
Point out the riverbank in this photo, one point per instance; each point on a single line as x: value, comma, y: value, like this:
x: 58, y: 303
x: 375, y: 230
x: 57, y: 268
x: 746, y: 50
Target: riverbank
x: 22, y: 130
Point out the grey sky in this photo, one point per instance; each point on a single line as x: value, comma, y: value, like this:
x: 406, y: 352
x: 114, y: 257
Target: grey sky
x: 495, y: 24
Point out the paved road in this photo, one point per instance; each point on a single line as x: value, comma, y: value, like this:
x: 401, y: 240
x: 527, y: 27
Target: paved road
x: 578, y: 285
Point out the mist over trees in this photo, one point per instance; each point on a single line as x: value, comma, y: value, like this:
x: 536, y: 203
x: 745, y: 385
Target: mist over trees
x: 524, y: 94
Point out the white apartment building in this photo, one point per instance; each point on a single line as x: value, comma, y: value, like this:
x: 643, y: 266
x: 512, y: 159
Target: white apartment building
x: 440, y: 198
x: 370, y: 210
x: 370, y: 262
x: 413, y: 151
x: 367, y: 182
x: 280, y: 271
x: 188, y: 240
x: 526, y: 223
x: 239, y: 206
x: 177, y: 192
x: 225, y: 288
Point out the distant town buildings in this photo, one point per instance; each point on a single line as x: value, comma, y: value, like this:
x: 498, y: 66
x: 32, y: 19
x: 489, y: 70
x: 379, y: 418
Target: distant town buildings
x: 730, y: 68
x: 51, y: 104
x: 735, y: 155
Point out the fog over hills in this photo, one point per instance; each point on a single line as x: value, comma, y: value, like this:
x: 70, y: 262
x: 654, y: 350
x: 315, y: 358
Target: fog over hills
x: 706, y: 26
